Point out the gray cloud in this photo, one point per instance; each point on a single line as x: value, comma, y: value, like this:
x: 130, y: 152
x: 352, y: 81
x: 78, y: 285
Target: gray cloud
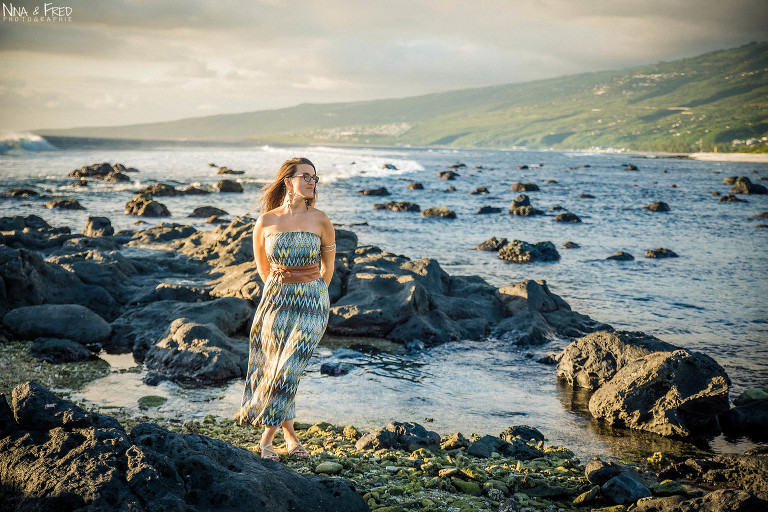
x: 127, y: 61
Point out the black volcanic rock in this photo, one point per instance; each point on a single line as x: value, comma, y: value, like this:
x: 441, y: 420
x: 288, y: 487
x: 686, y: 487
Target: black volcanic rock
x: 57, y: 456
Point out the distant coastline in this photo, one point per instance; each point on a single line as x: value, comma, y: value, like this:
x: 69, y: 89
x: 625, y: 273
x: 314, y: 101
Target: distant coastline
x: 760, y: 158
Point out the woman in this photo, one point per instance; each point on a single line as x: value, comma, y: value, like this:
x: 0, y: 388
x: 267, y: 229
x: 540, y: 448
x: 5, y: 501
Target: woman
x: 290, y: 240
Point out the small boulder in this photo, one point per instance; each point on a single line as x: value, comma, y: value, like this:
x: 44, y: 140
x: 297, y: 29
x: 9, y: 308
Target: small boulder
x: 567, y: 217
x: 492, y: 244
x: 518, y: 251
x: 621, y: 256
x: 161, y: 190
x: 744, y: 185
x: 398, y: 206
x: 599, y: 472
x: 380, y: 191
x: 454, y: 441
x: 415, y: 186
x: 587, y: 497
x: 750, y: 420
x: 668, y: 488
x: 196, y: 191
x: 328, y: 467
x: 98, y: 226
x: 521, y: 205
x: 144, y: 206
x: 103, y: 171
x: 524, y: 432
x: 197, y: 353
x: 658, y: 206
x: 480, y: 190
x: 524, y: 187
x: 227, y: 170
x: 69, y: 321
x: 439, y: 211
x: 22, y: 193
x: 730, y: 198
x: 229, y: 186
x: 64, y: 204
x: 624, y: 489
x: 570, y: 245
x: 751, y: 395
x: 336, y: 369
x: 487, y: 209
x: 486, y: 445
x: 660, y: 252
x: 447, y: 175
x: 58, y: 350
x: 406, y: 435
x: 207, y: 211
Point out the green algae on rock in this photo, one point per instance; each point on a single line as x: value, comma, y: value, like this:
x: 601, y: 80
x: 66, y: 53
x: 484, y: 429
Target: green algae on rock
x: 151, y: 401
x: 17, y: 367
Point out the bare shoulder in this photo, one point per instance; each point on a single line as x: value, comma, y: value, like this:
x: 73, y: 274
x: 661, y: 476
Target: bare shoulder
x: 267, y: 219
x: 327, y: 233
x: 320, y: 216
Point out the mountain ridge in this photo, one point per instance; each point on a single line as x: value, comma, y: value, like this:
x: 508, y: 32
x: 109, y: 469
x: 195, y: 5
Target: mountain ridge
x: 717, y: 99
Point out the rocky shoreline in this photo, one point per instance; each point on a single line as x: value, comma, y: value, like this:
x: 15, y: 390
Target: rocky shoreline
x: 210, y: 465
x: 119, y: 292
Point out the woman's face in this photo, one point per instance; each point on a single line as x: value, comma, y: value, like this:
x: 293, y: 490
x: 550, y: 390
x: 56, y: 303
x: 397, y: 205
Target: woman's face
x: 298, y: 184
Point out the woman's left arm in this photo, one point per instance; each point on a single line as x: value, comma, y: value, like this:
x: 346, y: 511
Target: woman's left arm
x: 327, y: 249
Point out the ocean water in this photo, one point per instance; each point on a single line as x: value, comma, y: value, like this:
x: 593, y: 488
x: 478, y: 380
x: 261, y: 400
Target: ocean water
x: 711, y: 298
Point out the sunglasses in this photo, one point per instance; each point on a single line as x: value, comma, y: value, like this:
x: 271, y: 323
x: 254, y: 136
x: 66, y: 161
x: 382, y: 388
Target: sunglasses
x: 308, y: 177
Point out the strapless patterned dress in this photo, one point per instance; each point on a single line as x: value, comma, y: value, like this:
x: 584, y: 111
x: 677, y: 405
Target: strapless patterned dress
x: 288, y: 324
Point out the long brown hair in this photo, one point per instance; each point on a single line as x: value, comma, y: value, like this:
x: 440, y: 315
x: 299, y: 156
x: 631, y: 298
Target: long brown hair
x: 274, y: 194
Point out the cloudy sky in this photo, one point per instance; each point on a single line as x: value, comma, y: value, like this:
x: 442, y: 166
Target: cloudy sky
x: 130, y: 61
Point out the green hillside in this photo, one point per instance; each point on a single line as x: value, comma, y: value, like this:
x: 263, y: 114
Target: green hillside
x: 687, y: 105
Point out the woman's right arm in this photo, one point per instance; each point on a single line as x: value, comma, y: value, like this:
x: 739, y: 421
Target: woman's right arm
x: 259, y: 252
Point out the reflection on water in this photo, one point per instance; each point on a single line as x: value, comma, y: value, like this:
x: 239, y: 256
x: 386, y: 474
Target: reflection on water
x: 471, y: 387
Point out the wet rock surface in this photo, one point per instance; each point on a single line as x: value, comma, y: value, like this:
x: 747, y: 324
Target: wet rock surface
x: 644, y: 383
x: 594, y: 359
x: 675, y: 393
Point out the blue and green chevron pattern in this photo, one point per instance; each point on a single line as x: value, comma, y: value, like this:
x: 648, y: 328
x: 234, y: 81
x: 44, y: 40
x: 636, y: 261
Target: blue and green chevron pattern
x: 288, y: 324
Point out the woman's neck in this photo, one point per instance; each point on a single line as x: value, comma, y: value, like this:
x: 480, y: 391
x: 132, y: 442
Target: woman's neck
x: 298, y: 204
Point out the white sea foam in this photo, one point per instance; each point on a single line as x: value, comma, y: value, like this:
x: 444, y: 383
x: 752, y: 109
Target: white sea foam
x: 24, y: 142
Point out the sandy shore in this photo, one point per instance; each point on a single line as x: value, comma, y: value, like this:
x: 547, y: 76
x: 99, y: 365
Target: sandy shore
x: 758, y: 158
